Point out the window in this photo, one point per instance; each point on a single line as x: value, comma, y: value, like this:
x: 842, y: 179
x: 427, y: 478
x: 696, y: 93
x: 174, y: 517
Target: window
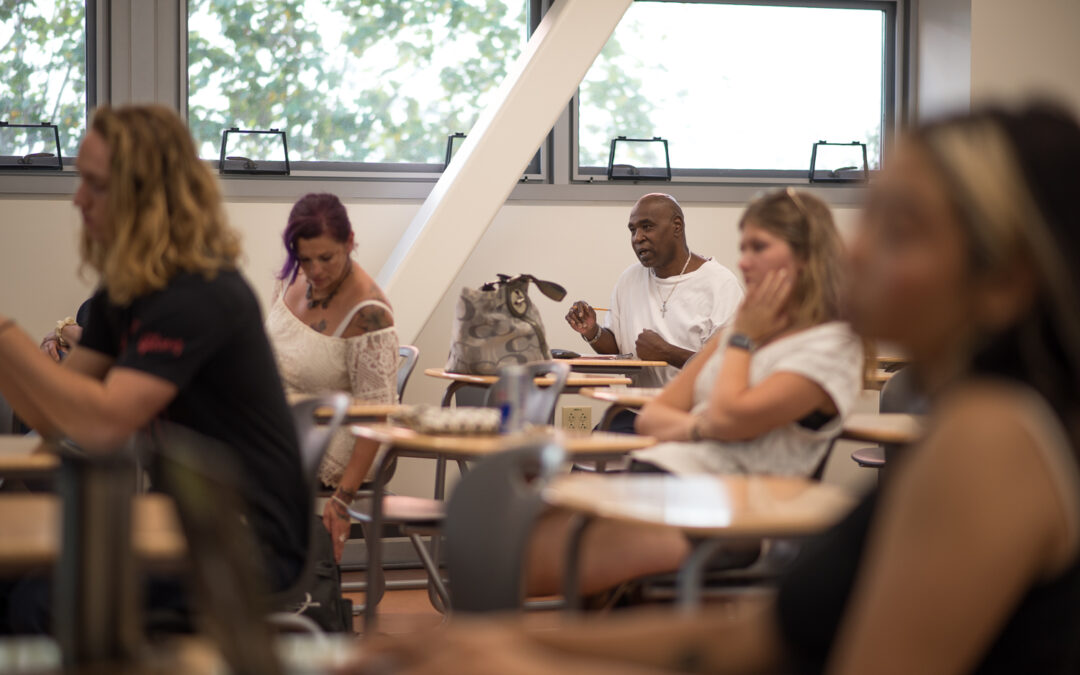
x: 739, y: 88
x: 43, y: 59
x: 349, y: 80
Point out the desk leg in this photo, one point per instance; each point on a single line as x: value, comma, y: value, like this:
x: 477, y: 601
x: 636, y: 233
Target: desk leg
x: 374, y: 590
x: 97, y: 590
x: 572, y: 566
x: 689, y: 578
x: 436, y: 539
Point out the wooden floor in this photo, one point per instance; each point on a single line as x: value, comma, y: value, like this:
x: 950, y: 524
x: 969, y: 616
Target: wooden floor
x: 409, y: 611
x: 400, y: 612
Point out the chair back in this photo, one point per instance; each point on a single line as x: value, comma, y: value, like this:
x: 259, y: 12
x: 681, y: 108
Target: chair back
x: 198, y: 473
x: 489, y: 520
x: 901, y: 394
x: 538, y: 403
x: 7, y: 417
x: 819, y: 470
x: 408, y: 355
x: 315, y: 435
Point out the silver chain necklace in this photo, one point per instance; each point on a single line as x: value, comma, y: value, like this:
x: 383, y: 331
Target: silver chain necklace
x: 663, y: 300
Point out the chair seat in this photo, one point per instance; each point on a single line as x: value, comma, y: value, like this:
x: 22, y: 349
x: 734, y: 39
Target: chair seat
x: 402, y: 509
x: 870, y: 458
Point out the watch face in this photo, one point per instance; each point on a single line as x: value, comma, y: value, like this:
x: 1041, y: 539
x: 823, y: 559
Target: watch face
x: 741, y: 341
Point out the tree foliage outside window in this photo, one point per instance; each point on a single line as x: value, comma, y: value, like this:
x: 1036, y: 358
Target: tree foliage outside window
x: 349, y: 80
x: 363, y: 81
x: 43, y: 61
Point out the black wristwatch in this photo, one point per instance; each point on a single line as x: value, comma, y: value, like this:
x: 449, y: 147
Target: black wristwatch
x: 741, y: 341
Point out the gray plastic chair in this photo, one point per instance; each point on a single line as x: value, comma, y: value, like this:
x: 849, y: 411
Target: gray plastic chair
x: 314, y: 440
x: 7, y: 417
x: 900, y: 394
x: 489, y: 520
x: 409, y: 354
x: 314, y: 436
x: 539, y: 402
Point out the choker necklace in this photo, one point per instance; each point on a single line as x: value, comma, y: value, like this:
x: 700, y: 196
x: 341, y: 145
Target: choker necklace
x: 312, y: 303
x: 663, y: 300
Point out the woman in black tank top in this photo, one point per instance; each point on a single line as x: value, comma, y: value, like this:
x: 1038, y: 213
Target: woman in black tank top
x: 968, y: 559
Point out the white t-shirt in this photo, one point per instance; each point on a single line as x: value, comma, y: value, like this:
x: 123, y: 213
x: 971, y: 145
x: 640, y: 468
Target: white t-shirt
x: 829, y: 355
x: 699, y: 304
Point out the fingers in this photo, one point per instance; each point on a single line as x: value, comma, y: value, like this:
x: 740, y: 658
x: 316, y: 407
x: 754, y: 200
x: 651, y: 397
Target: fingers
x: 50, y: 349
x: 773, y: 290
x: 581, y: 317
x: 778, y: 287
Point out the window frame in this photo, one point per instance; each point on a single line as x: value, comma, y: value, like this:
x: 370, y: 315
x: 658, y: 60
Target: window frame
x: 117, y: 54
x: 891, y: 98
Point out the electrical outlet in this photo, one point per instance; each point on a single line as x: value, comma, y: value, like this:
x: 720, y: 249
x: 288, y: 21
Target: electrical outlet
x: 578, y: 418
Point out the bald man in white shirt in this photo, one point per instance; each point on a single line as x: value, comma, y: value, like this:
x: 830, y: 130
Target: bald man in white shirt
x: 668, y: 306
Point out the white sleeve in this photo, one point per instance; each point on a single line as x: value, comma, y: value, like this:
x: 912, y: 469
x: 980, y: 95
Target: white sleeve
x: 611, y: 321
x: 834, y: 361
x: 372, y: 362
x: 729, y: 296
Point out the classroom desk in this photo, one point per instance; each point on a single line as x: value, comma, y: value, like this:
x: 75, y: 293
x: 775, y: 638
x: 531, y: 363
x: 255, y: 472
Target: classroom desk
x: 22, y: 456
x: 620, y: 399
x: 30, y: 530
x: 403, y: 442
x: 891, y: 363
x: 573, y: 383
x: 708, y: 509
x: 359, y: 412
x: 598, y: 365
x: 878, y: 378
x: 883, y: 428
x: 196, y: 654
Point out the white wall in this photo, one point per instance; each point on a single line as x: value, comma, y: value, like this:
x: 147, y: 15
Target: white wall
x: 942, y: 56
x: 1028, y: 48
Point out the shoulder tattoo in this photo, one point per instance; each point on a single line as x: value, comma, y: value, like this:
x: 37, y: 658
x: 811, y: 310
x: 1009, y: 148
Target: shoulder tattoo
x: 370, y: 319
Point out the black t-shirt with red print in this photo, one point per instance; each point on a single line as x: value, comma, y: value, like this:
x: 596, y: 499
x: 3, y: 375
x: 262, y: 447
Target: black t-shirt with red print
x: 206, y: 337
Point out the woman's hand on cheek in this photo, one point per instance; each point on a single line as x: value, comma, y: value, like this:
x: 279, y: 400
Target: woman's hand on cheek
x: 763, y: 312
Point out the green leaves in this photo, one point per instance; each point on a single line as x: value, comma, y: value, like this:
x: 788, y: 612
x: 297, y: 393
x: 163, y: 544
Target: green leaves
x: 43, y: 61
x: 350, y: 80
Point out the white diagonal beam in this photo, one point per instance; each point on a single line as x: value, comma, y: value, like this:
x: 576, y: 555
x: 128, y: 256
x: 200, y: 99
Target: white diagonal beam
x: 489, y: 163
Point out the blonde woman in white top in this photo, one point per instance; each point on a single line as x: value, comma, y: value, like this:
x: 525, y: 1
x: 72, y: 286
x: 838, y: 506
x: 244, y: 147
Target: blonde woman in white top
x: 333, y: 330
x: 765, y: 396
x: 769, y: 394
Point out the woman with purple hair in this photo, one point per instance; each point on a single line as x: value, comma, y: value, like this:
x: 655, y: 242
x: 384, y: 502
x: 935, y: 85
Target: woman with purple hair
x: 332, y: 329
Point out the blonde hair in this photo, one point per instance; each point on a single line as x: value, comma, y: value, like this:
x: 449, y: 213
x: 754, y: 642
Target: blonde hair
x: 806, y: 224
x: 164, y: 212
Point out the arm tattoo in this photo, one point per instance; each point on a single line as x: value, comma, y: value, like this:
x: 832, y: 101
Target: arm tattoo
x: 370, y: 319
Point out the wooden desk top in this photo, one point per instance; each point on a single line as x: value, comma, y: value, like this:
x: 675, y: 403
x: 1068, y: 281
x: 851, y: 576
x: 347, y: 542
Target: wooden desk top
x: 574, y: 380
x: 25, y: 455
x: 713, y: 506
x: 358, y: 410
x: 30, y: 530
x: 891, y: 428
x: 364, y: 412
x: 596, y: 443
x: 878, y: 379
x: 628, y: 398
x: 614, y: 364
